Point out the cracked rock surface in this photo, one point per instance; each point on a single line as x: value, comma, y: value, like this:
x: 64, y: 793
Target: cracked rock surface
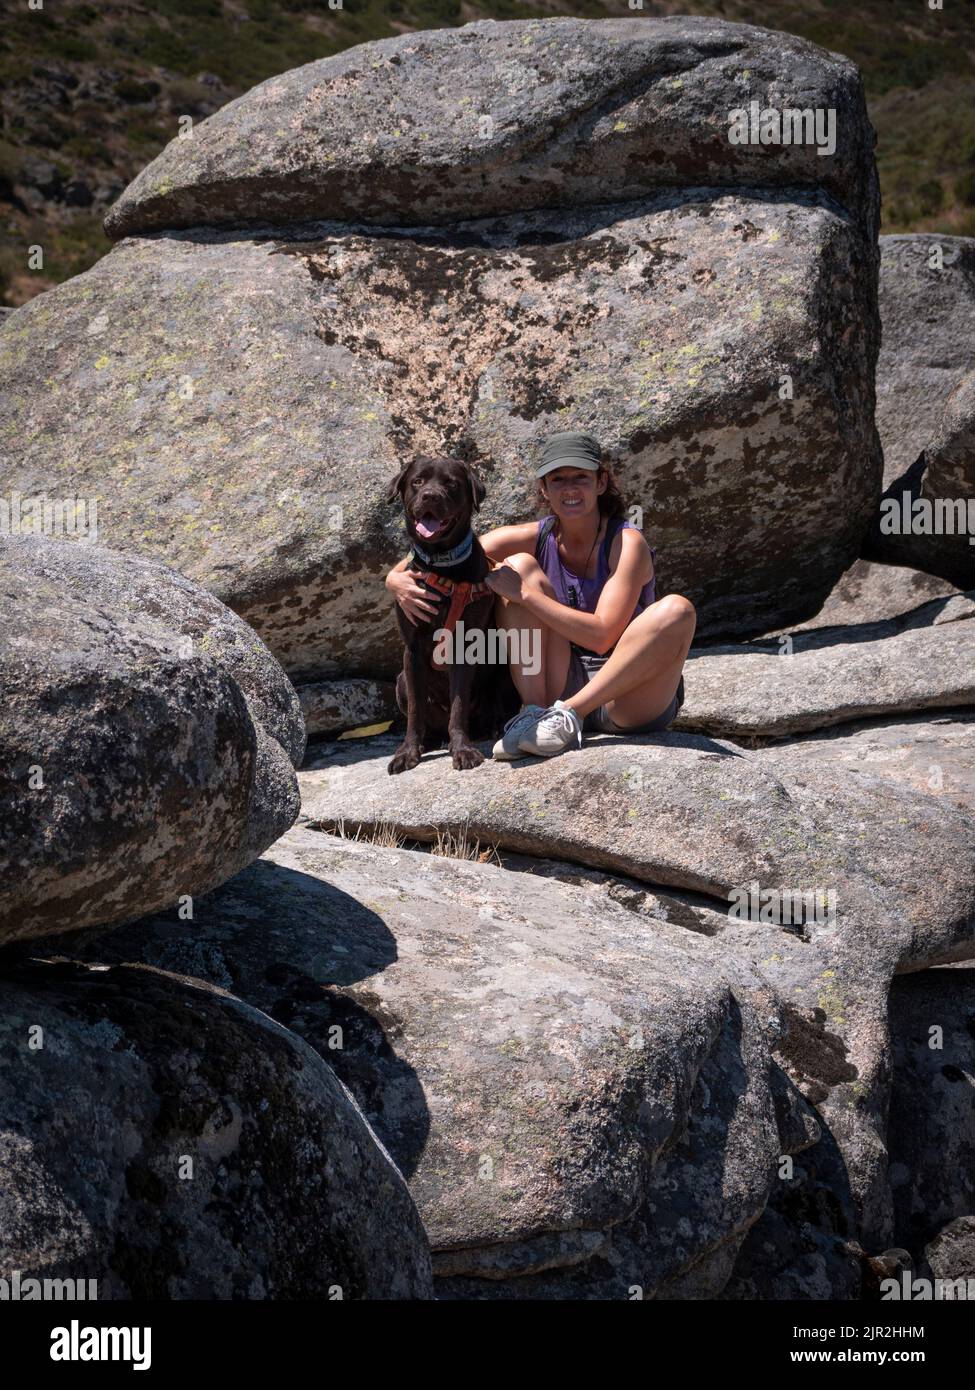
x: 500, y: 1024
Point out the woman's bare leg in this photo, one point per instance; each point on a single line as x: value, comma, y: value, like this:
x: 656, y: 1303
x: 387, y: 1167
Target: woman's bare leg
x: 641, y: 677
x: 544, y: 685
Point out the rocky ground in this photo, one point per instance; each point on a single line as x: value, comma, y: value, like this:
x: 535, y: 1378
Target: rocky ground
x: 689, y: 1014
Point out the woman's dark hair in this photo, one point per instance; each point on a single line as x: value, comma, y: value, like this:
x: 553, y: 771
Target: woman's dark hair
x: 611, y: 502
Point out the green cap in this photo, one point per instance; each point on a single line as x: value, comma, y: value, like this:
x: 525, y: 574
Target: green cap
x: 569, y: 450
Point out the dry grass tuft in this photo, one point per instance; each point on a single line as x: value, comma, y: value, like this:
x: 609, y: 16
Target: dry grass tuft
x: 384, y: 834
x: 449, y: 844
x: 459, y: 845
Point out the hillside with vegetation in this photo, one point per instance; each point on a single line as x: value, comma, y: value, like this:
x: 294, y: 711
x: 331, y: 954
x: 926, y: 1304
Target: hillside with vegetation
x: 90, y: 93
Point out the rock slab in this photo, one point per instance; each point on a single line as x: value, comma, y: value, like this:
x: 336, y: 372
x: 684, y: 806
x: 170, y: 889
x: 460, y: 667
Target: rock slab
x: 696, y: 814
x: 924, y: 659
x: 581, y: 1096
x: 934, y: 754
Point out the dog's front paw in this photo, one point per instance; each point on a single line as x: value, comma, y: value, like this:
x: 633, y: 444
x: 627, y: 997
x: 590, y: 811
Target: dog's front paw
x: 466, y: 756
x: 406, y: 756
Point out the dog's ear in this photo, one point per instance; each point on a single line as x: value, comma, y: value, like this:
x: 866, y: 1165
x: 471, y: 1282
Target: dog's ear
x: 478, y: 491
x: 399, y: 482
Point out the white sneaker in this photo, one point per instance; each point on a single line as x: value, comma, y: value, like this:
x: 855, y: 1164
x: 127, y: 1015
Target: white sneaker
x: 553, y: 732
x: 506, y: 749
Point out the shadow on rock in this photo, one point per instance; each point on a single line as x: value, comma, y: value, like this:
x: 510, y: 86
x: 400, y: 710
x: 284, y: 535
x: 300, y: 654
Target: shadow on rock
x: 289, y: 944
x: 803, y: 1246
x: 120, y: 1083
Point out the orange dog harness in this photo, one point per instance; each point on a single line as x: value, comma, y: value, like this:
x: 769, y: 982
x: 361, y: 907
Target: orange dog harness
x: 460, y: 593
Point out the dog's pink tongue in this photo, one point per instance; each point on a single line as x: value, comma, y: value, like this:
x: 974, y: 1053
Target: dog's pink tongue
x: 427, y: 526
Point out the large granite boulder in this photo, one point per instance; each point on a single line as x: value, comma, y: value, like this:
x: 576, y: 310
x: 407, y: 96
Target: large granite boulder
x: 950, y: 457
x: 168, y: 1142
x: 497, y: 117
x: 334, y: 358
x: 923, y: 659
x: 147, y: 738
x: 805, y: 1244
x: 927, y: 310
x: 927, y: 517
x: 580, y: 1092
x: 926, y: 407
x: 239, y: 400
x: 511, y: 1030
x: 951, y: 1254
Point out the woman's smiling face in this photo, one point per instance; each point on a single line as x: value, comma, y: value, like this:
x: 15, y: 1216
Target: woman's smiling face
x: 574, y: 491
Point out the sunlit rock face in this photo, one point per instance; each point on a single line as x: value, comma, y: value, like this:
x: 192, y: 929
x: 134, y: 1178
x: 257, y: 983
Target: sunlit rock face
x: 241, y: 377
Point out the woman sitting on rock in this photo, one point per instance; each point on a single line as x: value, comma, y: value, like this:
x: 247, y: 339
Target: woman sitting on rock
x: 612, y: 654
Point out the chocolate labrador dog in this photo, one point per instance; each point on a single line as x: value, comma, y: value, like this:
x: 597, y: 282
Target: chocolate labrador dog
x: 439, y: 496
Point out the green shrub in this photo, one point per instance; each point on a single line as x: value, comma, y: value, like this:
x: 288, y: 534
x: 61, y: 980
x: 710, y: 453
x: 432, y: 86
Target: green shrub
x: 186, y: 95
x: 965, y: 189
x: 11, y: 159
x: 72, y: 48
x: 131, y: 89
x: 84, y: 148
x: 443, y: 12
x: 192, y: 9
x: 930, y: 197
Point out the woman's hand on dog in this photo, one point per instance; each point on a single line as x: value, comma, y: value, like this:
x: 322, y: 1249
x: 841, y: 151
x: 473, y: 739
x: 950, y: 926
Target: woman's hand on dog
x: 414, y: 600
x: 505, y: 581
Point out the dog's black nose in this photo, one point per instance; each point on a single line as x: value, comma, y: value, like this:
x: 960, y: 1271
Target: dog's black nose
x: 430, y: 500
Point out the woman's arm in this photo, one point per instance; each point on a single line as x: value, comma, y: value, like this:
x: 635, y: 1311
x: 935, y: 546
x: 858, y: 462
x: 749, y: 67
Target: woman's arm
x: 398, y: 568
x: 414, y: 600
x: 510, y: 540
x: 598, y: 631
x: 498, y: 544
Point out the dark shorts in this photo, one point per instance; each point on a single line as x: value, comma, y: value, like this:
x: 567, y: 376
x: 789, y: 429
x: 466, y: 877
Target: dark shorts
x: 582, y: 667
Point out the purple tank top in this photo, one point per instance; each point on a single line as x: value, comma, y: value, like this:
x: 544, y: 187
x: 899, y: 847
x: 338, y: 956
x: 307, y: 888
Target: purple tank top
x: 583, y: 594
